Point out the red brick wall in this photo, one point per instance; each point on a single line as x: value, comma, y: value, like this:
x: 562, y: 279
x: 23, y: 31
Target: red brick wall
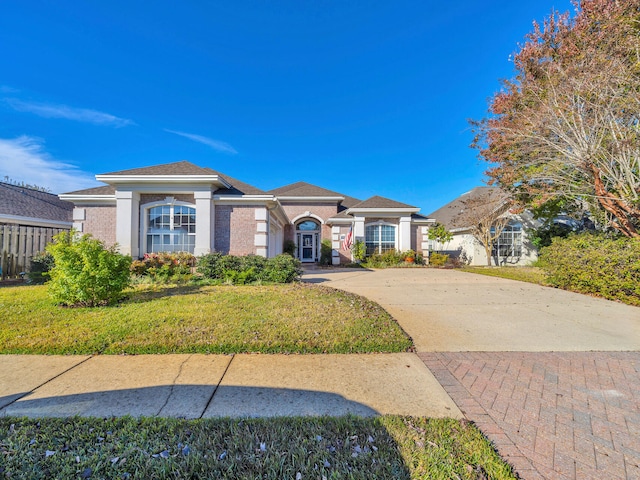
x: 235, y: 229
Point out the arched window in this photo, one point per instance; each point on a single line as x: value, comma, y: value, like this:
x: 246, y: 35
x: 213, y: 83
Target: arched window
x: 379, y: 238
x: 171, y: 228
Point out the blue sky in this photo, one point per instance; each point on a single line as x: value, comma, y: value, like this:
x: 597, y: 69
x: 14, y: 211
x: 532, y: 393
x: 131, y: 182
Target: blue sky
x: 364, y: 98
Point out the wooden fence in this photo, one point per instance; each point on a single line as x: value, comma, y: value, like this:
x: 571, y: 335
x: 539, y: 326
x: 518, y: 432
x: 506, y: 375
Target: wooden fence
x: 18, y: 243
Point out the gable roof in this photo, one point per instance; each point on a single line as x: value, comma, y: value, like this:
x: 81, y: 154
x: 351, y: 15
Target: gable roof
x: 381, y: 202
x: 304, y: 189
x: 448, y: 215
x: 26, y: 202
x: 167, y: 169
x: 182, y: 168
x: 103, y: 190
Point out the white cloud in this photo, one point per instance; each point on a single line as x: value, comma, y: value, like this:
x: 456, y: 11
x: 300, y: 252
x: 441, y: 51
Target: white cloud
x: 215, y: 144
x: 50, y: 110
x: 24, y: 159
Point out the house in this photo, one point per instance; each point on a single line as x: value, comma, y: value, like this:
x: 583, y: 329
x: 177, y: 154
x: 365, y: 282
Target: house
x: 512, y: 246
x: 29, y: 218
x: 184, y: 207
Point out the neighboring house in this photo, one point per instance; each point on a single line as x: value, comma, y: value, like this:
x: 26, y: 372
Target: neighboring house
x: 29, y: 219
x: 183, y: 207
x: 511, y: 248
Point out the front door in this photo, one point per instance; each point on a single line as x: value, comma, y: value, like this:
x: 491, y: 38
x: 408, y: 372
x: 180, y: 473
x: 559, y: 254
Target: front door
x: 307, y: 247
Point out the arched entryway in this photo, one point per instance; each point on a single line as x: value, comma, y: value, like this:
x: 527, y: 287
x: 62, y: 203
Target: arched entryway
x: 308, y: 240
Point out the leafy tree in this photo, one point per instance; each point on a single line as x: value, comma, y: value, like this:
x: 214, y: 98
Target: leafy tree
x: 566, y: 126
x: 440, y: 234
x: 85, y: 272
x: 483, y: 215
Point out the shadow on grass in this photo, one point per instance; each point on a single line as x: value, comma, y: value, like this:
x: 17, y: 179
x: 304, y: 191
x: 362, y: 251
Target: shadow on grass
x: 300, y: 434
x: 154, y: 292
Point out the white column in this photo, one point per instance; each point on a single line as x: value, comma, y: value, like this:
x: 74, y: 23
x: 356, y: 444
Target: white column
x: 128, y: 222
x: 358, y: 228
x: 205, y: 221
x: 404, y: 235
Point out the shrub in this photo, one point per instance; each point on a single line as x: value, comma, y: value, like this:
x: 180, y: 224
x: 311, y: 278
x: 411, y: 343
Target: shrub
x: 250, y: 268
x: 208, y: 265
x: 163, y: 267
x: 390, y: 258
x: 41, y: 263
x: 85, y: 272
x: 325, y: 252
x: 438, y: 259
x: 256, y: 262
x: 595, y: 264
x: 289, y: 247
x: 359, y: 250
x: 282, y: 269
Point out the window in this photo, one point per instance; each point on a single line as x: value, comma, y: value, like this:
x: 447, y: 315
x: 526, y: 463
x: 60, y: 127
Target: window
x: 509, y: 243
x: 308, y: 225
x: 171, y: 228
x: 380, y: 238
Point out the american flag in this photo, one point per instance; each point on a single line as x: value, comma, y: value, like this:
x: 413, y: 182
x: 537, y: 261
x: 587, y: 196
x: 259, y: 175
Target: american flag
x: 348, y: 240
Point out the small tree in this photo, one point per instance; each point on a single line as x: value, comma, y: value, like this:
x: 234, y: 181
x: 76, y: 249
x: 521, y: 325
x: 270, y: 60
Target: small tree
x: 359, y: 250
x: 483, y: 215
x: 440, y: 234
x: 85, y: 272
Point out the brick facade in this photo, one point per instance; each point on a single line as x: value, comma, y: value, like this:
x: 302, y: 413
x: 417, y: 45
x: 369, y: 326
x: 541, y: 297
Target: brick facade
x: 100, y: 221
x: 235, y: 229
x: 322, y: 210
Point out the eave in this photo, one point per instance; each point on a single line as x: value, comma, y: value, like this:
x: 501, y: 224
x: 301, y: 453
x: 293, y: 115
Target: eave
x: 164, y: 179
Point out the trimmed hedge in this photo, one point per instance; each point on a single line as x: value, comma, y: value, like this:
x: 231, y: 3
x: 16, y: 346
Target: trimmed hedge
x: 595, y: 264
x: 249, y: 269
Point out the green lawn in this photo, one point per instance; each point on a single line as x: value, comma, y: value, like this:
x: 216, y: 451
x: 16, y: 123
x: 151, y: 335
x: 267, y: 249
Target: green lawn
x: 387, y: 447
x: 293, y: 318
x: 523, y: 274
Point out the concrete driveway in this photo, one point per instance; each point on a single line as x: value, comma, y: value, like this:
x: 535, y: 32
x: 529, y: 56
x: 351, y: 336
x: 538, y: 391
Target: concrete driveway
x: 552, y: 378
x: 452, y: 311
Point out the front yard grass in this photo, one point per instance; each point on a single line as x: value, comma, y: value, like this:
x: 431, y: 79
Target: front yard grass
x: 523, y: 274
x: 292, y: 318
x: 293, y: 448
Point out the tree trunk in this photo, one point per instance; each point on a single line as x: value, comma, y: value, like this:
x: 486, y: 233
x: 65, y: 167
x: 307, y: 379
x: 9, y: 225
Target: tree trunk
x: 487, y: 250
x: 615, y: 207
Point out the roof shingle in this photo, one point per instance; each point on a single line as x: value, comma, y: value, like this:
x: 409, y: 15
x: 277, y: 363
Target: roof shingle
x: 449, y: 214
x: 27, y: 202
x: 381, y: 202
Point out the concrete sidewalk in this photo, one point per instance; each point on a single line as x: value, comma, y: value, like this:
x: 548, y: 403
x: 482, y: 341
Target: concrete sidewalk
x: 196, y: 386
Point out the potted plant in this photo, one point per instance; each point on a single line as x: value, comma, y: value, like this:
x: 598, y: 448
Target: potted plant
x: 409, y: 256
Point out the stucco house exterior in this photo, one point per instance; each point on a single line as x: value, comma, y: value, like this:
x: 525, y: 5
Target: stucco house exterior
x: 184, y: 207
x: 512, y: 248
